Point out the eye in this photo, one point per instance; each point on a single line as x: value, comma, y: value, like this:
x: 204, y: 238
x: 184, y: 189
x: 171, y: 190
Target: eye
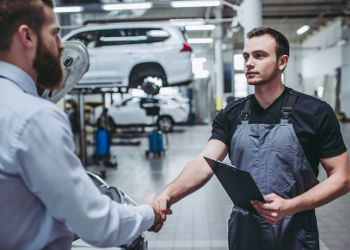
x: 245, y: 58
x: 259, y: 55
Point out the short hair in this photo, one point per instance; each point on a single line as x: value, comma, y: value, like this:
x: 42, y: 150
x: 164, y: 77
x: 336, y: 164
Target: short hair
x: 14, y: 13
x: 282, y: 47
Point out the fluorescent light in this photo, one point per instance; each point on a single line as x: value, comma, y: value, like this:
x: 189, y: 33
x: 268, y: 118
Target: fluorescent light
x: 200, y: 27
x: 123, y: 39
x: 340, y: 43
x: 127, y: 6
x: 200, y: 40
x: 68, y: 9
x: 303, y: 29
x: 183, y: 22
x: 189, y: 4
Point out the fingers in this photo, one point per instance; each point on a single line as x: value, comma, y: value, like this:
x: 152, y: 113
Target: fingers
x: 156, y: 228
x: 152, y: 201
x: 163, y: 208
x: 272, y: 211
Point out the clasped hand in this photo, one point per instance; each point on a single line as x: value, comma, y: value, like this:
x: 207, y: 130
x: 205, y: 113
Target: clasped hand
x: 274, y: 210
x: 161, y: 209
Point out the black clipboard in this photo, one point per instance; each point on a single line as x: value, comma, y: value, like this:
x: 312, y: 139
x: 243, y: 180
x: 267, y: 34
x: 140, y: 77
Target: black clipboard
x: 238, y: 184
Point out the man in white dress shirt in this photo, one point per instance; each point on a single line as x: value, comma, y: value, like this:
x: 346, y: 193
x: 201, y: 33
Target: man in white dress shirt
x: 45, y: 194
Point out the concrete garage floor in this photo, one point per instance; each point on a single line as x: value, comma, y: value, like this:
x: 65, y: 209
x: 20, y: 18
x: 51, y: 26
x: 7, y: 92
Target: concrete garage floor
x: 200, y: 220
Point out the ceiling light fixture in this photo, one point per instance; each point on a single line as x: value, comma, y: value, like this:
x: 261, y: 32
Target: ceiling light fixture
x: 340, y: 43
x: 68, y: 9
x: 200, y: 40
x: 200, y: 27
x: 191, y: 4
x: 184, y: 22
x: 303, y: 29
x: 127, y: 6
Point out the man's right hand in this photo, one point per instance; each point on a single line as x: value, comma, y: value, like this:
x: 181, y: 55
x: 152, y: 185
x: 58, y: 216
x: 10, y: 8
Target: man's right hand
x: 160, y: 207
x: 164, y: 205
x: 157, y: 223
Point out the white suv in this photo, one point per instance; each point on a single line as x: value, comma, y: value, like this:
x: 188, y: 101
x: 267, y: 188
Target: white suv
x: 139, y: 111
x: 126, y: 54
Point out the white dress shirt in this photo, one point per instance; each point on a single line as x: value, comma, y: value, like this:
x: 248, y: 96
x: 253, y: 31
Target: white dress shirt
x: 45, y: 194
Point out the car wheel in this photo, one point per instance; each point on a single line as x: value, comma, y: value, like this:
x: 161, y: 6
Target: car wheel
x: 140, y: 76
x: 165, y: 123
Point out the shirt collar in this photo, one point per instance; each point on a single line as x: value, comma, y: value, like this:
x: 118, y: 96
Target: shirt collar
x: 19, y: 77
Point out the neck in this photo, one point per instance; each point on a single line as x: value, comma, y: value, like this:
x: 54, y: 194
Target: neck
x: 267, y: 93
x: 19, y: 60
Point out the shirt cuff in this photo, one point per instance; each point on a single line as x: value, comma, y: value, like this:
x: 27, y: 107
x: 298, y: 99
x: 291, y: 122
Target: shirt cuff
x: 147, y: 213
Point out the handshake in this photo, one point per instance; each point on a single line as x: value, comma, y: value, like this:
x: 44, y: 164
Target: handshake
x: 161, y: 208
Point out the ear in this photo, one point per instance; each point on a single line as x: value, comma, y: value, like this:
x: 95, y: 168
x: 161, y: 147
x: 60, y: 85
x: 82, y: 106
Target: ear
x: 27, y: 36
x: 283, y: 61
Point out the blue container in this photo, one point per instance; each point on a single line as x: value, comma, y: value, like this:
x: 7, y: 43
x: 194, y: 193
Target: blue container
x: 102, y: 143
x: 155, y: 139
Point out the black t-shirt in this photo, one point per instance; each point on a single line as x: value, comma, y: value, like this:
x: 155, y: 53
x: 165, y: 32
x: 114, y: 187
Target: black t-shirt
x: 314, y: 123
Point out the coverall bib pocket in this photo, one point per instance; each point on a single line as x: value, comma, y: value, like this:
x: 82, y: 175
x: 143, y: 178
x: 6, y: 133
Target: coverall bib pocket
x: 280, y: 167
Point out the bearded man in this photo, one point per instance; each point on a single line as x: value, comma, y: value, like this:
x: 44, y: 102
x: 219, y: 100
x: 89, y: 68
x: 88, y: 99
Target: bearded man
x: 45, y: 194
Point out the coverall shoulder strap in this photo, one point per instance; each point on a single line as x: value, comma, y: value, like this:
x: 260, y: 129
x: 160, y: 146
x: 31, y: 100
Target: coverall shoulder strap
x: 246, y: 108
x: 288, y: 106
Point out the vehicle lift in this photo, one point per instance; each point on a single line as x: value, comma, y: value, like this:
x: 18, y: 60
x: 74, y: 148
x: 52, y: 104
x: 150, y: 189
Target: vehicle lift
x: 155, y: 138
x: 102, y: 134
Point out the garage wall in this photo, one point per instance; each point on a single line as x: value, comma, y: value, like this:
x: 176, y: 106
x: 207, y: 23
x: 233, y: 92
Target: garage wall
x: 320, y: 58
x: 313, y: 63
x: 345, y: 80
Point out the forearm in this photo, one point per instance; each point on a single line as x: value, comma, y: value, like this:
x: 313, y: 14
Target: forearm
x: 336, y: 185
x: 193, y: 176
x: 324, y: 192
x: 196, y: 173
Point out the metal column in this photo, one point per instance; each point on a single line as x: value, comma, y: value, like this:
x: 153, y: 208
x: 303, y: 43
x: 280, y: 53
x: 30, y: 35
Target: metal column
x: 250, y: 17
x: 219, y: 79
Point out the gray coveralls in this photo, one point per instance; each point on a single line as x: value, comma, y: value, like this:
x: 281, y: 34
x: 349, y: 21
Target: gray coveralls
x: 275, y: 159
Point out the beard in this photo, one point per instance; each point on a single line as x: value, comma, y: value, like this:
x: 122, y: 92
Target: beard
x: 48, y: 67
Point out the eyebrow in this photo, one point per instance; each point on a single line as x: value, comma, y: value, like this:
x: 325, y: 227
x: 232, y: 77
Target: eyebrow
x: 256, y: 51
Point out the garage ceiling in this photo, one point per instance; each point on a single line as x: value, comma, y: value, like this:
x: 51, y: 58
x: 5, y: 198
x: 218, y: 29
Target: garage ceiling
x: 284, y: 15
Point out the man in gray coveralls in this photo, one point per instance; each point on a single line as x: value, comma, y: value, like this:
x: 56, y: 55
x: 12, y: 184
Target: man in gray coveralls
x: 280, y: 136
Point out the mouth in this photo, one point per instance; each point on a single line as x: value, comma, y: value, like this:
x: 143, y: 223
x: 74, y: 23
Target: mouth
x: 251, y: 74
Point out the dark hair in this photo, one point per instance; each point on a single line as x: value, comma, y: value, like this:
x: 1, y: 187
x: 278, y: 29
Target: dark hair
x: 14, y: 13
x: 282, y: 47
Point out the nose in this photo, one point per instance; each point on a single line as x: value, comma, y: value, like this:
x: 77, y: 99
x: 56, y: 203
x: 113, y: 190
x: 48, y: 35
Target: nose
x: 60, y: 45
x: 249, y: 64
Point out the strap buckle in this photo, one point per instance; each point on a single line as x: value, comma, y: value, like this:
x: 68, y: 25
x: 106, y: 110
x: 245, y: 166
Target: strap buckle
x: 244, y: 116
x: 285, y: 112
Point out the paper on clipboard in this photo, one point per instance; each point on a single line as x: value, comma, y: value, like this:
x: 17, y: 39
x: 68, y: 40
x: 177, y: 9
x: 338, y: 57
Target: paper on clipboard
x: 238, y: 184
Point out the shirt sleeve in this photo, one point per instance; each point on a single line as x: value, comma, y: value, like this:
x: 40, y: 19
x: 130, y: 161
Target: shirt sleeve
x: 330, y: 137
x: 50, y: 169
x: 219, y: 129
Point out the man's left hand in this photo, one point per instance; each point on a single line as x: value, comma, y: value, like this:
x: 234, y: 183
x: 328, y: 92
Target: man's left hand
x: 274, y: 210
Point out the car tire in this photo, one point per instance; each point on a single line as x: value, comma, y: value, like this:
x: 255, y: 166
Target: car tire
x: 140, y: 76
x: 165, y: 123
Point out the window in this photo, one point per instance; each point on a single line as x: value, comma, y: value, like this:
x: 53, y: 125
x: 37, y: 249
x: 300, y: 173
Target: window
x: 131, y: 36
x: 87, y: 38
x: 133, y: 102
x: 240, y: 81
